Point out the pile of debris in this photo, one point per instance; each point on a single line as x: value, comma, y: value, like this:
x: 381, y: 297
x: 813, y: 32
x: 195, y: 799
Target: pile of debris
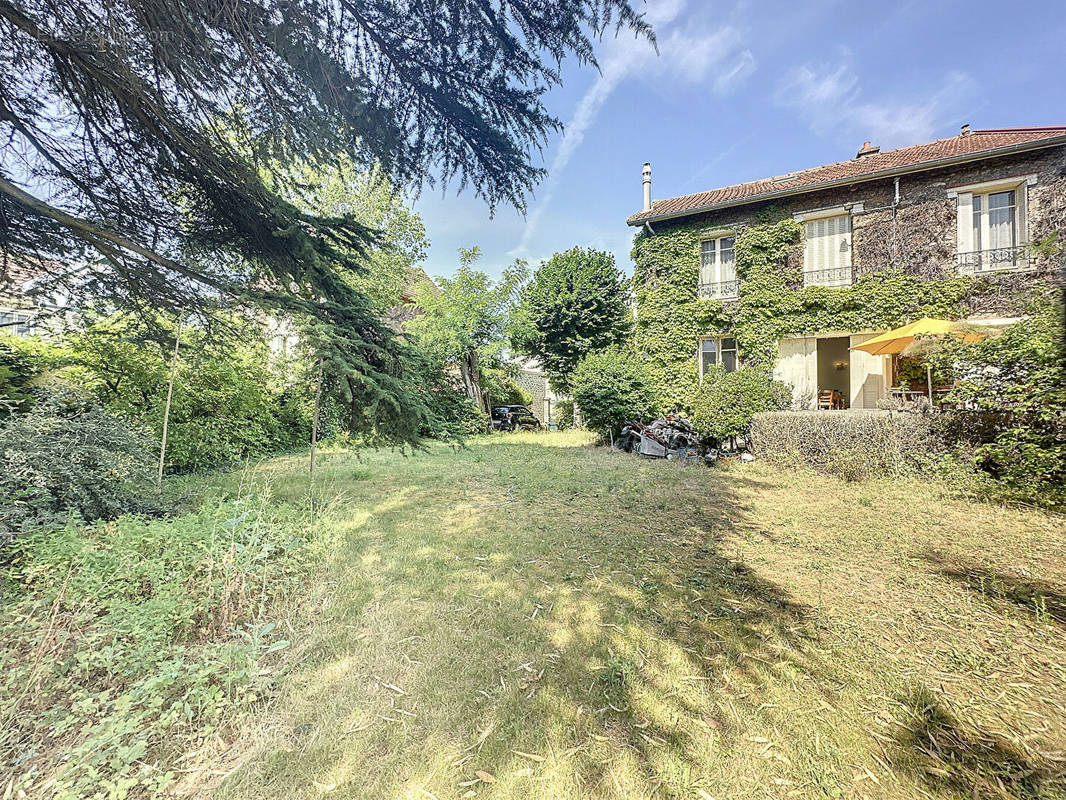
x: 673, y: 437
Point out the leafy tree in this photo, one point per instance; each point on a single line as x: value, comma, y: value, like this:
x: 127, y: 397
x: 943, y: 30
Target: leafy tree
x: 137, y: 129
x: 340, y: 189
x: 464, y: 324
x: 611, y: 387
x: 232, y: 398
x: 575, y: 304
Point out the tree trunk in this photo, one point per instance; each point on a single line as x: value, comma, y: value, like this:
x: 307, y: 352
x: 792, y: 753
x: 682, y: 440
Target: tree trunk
x: 471, y: 375
x: 166, y: 409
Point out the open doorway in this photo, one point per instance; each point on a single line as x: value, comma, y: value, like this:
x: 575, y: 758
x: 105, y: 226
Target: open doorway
x: 834, y: 373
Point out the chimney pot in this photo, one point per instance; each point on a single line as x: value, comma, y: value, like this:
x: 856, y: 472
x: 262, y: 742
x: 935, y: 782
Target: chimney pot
x: 646, y: 174
x: 867, y: 149
x: 965, y: 131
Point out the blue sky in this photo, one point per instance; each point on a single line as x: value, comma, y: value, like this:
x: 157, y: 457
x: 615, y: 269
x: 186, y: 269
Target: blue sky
x: 744, y: 90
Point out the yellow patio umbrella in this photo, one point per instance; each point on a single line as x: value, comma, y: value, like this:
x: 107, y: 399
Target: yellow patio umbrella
x: 896, y: 341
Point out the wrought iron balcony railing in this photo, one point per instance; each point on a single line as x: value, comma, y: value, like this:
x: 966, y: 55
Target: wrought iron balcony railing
x: 839, y: 276
x: 722, y: 290
x: 995, y: 260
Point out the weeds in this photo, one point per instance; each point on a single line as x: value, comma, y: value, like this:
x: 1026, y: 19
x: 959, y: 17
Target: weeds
x: 128, y: 643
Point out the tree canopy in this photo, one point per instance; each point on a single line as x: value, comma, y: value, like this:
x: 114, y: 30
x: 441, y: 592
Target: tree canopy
x: 465, y: 319
x: 137, y: 130
x: 576, y: 303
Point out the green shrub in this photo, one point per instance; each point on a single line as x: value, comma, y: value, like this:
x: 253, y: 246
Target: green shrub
x: 724, y: 404
x: 20, y: 367
x: 231, y: 399
x: 67, y: 454
x: 452, y: 414
x: 610, y: 387
x: 1020, y: 376
x: 564, y: 414
x: 156, y: 638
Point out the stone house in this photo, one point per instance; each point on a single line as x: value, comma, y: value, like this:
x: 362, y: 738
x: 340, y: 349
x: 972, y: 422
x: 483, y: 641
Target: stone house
x: 978, y: 214
x: 32, y: 300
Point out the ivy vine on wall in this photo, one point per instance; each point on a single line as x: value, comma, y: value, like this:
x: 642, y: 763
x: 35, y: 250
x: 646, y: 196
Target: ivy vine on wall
x: 772, y: 304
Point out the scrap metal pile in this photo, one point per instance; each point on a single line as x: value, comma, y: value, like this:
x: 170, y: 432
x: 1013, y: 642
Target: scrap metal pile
x: 673, y: 437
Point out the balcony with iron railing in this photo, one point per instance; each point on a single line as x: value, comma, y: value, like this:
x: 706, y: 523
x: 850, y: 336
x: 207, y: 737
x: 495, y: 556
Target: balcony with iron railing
x: 999, y: 259
x: 838, y: 276
x: 720, y: 290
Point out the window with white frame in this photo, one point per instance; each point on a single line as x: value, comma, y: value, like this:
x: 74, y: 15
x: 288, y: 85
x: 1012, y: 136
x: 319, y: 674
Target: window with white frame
x: 718, y: 351
x: 992, y: 225
x: 827, y: 250
x: 718, y: 267
x: 18, y: 323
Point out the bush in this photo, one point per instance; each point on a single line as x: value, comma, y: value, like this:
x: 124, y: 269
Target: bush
x: 1019, y: 376
x: 231, y: 400
x: 452, y: 415
x: 611, y: 387
x: 854, y: 445
x: 724, y: 404
x: 504, y: 390
x: 67, y: 454
x: 564, y: 414
x: 18, y: 369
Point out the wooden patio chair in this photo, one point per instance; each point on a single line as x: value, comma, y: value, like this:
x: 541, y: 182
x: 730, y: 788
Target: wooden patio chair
x: 826, y: 399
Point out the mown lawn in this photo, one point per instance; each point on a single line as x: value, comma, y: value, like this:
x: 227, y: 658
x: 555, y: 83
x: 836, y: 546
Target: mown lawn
x: 534, y: 617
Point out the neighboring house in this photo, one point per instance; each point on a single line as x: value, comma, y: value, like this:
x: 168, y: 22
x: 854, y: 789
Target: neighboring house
x: 968, y: 207
x: 24, y: 312
x: 532, y: 378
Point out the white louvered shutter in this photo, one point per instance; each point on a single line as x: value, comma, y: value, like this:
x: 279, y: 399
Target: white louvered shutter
x: 828, y: 248
x: 964, y: 223
x: 1021, y: 211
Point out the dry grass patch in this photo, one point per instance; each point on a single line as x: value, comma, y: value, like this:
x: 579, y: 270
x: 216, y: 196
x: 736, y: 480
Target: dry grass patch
x: 534, y: 617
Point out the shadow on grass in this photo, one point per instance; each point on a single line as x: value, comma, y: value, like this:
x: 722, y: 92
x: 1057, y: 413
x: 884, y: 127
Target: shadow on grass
x: 958, y: 758
x: 594, y: 617
x: 1038, y: 598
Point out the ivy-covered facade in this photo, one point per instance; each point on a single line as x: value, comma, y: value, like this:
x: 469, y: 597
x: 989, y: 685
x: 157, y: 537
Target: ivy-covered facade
x: 789, y: 281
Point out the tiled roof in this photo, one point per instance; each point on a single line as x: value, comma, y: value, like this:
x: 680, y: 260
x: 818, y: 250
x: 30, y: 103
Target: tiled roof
x: 978, y: 144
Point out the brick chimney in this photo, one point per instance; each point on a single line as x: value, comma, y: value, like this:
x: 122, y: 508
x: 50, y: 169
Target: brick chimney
x: 868, y: 149
x: 647, y: 186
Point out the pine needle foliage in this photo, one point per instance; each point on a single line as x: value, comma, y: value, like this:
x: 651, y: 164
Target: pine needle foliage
x: 135, y: 131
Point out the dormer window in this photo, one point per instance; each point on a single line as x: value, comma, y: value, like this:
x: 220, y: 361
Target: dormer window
x: 718, y: 268
x: 992, y: 225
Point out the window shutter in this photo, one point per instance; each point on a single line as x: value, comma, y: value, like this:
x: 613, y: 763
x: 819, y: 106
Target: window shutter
x: 964, y: 222
x: 844, y: 249
x: 1021, y: 213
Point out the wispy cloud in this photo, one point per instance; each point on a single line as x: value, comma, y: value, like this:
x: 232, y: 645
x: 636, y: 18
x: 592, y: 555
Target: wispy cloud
x: 690, y: 56
x: 832, y: 99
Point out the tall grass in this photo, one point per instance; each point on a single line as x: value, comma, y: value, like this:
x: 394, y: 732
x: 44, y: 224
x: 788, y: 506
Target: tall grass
x: 127, y: 645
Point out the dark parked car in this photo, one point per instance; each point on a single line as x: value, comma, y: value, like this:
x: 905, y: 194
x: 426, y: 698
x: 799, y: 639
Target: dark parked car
x: 509, y: 418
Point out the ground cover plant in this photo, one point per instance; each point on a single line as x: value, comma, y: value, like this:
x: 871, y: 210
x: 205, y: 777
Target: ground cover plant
x: 533, y: 617
x: 128, y: 645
